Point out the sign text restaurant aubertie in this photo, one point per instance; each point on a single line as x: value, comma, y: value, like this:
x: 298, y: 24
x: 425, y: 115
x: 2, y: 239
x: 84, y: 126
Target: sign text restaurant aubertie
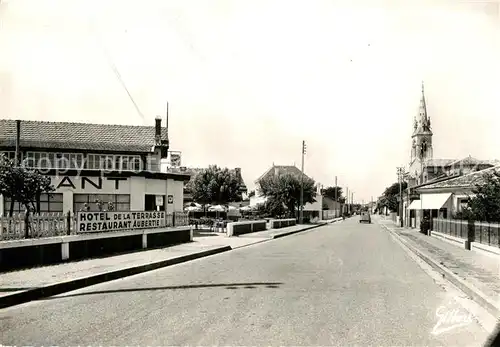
x: 107, y: 221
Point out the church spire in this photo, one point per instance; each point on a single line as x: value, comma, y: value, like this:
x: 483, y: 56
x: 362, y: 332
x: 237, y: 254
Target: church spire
x: 422, y: 133
x: 424, y: 120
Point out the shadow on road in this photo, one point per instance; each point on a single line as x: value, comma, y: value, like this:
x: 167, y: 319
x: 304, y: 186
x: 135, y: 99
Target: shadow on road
x: 251, y: 285
x: 5, y: 290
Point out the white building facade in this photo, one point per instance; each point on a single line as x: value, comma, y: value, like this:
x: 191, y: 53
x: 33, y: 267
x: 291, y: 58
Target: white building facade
x: 117, y: 165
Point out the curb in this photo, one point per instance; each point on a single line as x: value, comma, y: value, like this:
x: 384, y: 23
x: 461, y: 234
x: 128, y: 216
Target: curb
x: 62, y: 287
x: 477, y: 295
x: 298, y: 231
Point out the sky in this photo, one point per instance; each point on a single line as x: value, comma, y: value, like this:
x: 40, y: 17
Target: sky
x: 248, y: 81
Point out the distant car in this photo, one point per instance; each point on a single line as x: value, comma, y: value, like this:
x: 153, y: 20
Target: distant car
x: 365, y: 217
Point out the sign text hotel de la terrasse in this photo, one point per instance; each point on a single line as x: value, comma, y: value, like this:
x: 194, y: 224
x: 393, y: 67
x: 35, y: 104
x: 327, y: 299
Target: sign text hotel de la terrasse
x: 113, y: 221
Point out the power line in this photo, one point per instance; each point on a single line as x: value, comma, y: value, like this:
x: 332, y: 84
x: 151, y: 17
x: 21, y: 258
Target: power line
x: 114, y: 68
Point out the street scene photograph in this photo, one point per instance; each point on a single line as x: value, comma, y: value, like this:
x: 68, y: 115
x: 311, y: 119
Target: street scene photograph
x: 249, y: 173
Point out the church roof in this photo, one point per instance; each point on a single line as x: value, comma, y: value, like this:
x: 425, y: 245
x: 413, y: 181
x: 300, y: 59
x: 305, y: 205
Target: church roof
x: 438, y: 162
x: 467, y: 161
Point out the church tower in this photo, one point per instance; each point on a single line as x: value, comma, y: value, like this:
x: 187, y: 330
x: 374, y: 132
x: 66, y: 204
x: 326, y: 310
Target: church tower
x: 421, y: 149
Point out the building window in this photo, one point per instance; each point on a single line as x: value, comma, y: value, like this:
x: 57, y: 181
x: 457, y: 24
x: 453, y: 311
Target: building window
x: 52, y: 160
x: 113, y: 162
x: 121, y: 202
x: 444, y: 213
x: 9, y: 155
x: 462, y: 204
x: 49, y: 203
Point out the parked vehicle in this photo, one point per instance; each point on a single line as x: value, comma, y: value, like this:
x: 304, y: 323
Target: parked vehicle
x: 365, y: 217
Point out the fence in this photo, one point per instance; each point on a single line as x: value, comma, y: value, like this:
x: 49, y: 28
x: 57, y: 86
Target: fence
x: 58, y: 224
x: 40, y: 225
x: 207, y: 214
x: 482, y: 232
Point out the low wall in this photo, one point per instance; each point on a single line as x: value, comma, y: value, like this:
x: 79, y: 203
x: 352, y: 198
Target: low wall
x: 457, y: 241
x: 240, y: 228
x: 25, y: 253
x: 282, y: 223
x: 485, y: 249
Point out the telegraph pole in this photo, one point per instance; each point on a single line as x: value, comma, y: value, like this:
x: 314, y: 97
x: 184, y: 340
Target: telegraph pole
x: 400, y: 171
x: 302, y: 184
x: 336, y: 197
x: 347, y: 199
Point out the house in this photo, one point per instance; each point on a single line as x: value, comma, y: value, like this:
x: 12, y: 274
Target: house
x: 331, y: 204
x: 445, y: 198
x: 281, y: 170
x: 427, y: 173
x: 85, y: 162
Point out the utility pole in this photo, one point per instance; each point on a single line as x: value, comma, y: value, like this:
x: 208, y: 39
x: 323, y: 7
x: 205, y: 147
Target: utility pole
x: 400, y: 171
x: 336, y: 197
x: 302, y: 185
x: 347, y: 199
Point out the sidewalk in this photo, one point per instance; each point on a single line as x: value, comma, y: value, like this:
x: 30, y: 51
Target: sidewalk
x: 21, y: 286
x: 476, y: 274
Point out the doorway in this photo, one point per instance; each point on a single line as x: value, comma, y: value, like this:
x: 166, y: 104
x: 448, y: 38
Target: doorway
x: 150, y: 203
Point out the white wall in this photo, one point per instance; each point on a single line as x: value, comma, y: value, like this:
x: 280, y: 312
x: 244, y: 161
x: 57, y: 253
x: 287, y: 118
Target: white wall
x: 255, y: 200
x: 315, y: 206
x: 136, y: 187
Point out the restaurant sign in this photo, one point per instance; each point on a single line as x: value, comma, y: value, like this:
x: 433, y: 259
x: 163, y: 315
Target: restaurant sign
x: 95, y: 222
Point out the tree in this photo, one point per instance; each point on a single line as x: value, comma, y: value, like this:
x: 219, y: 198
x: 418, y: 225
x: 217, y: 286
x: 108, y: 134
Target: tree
x: 216, y: 186
x: 251, y: 194
x: 284, y: 190
x: 484, y: 205
x: 271, y: 208
x: 390, y: 197
x: 22, y: 185
x: 330, y: 193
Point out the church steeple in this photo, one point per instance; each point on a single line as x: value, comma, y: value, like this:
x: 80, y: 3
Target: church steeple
x: 422, y: 133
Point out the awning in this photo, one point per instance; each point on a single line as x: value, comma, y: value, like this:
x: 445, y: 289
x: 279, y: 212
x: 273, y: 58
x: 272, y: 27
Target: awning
x: 415, y: 205
x: 430, y: 201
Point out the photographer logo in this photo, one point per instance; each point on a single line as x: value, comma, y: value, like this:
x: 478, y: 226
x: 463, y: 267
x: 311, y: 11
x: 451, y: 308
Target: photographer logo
x: 451, y: 319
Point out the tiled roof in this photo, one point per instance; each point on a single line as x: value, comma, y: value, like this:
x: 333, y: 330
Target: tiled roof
x: 79, y: 136
x: 282, y: 169
x: 470, y: 161
x: 438, y: 162
x: 464, y: 180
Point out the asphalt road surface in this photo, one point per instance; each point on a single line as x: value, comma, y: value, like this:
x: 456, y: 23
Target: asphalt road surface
x: 344, y: 284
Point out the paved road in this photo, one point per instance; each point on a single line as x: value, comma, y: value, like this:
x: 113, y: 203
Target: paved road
x: 342, y: 284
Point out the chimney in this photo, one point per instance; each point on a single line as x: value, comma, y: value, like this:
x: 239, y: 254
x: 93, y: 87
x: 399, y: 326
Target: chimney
x: 158, y: 130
